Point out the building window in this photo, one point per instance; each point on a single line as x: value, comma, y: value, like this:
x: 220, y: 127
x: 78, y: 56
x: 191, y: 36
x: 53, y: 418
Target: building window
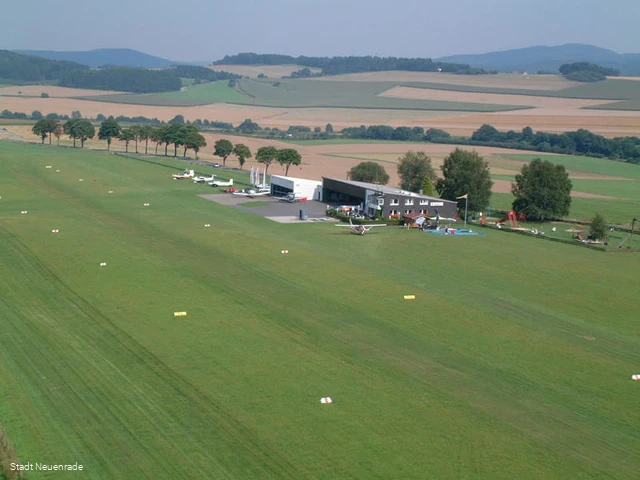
x: 408, y: 201
x: 424, y: 202
x: 380, y: 201
x: 394, y: 201
x: 394, y: 213
x: 406, y: 212
x: 423, y: 211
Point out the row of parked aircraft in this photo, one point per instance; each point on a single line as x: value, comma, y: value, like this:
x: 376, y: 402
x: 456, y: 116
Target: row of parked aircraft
x: 200, y: 179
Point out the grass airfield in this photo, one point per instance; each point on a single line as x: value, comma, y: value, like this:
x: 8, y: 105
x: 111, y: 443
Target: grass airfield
x: 514, y: 361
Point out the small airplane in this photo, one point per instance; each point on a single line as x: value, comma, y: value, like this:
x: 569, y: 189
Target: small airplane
x: 202, y: 179
x: 220, y: 183
x: 186, y: 174
x: 252, y: 192
x: 361, y: 229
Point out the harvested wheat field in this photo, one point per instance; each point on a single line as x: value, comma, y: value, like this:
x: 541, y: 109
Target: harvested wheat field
x: 502, y: 99
x: 608, y: 123
x: 502, y: 80
x: 328, y: 160
x: 52, y: 91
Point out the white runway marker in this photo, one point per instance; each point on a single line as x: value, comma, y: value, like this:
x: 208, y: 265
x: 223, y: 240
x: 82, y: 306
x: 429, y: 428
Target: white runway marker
x: 23, y: 212
x: 326, y: 400
x: 110, y: 191
x: 48, y: 166
x: 145, y: 204
x: 635, y: 377
x: 81, y: 179
x: 57, y: 171
x: 207, y: 224
x: 103, y: 264
x: 285, y: 251
x: 55, y: 230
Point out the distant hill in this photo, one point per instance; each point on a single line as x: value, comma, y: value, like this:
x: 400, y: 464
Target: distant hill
x: 120, y: 57
x: 27, y: 68
x: 534, y: 59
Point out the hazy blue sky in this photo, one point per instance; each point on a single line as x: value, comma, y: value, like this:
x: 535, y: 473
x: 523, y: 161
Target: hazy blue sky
x: 208, y: 29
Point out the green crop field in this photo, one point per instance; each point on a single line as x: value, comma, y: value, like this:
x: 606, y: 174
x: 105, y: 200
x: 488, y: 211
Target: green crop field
x: 203, y: 94
x: 318, y: 93
x: 579, y: 163
x: 510, y: 363
x: 298, y: 93
x: 628, y: 91
x: 632, y: 105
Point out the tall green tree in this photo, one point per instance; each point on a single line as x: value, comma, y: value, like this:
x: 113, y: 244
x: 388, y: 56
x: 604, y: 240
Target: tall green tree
x: 40, y: 130
x: 413, y: 169
x: 598, y: 229
x: 126, y: 135
x: 465, y: 173
x: 194, y: 141
x: 57, y: 132
x: 370, y: 172
x: 183, y: 135
x: 242, y: 152
x: 173, y: 136
x: 146, y: 132
x: 288, y: 157
x: 223, y: 148
x: 136, y: 129
x: 109, y: 129
x: 266, y: 156
x: 542, y: 190
x: 45, y: 127
x: 158, y: 136
x: 81, y: 129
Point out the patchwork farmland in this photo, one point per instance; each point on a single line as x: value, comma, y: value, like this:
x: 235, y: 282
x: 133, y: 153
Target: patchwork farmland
x: 457, y: 103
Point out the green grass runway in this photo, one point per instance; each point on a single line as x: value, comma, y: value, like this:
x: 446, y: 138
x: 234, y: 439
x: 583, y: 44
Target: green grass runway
x: 514, y: 361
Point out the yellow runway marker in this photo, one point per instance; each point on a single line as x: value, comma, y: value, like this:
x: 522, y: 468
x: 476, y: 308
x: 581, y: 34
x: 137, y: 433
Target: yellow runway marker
x: 409, y: 297
x: 179, y: 314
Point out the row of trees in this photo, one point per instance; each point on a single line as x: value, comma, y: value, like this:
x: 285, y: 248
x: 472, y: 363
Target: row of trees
x: 186, y: 136
x: 286, y: 157
x: 542, y: 190
x: 140, y: 80
x: 352, y: 64
x: 582, y: 142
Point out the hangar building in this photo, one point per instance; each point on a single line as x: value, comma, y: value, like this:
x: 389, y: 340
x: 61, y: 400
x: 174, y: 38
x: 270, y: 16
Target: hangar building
x: 282, y: 186
x: 373, y: 198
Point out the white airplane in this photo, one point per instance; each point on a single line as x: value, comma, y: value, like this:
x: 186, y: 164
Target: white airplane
x: 252, y: 192
x: 220, y: 183
x: 181, y: 176
x: 202, y: 179
x: 361, y: 229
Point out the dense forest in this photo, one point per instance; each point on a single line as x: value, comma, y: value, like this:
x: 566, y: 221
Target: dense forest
x: 203, y: 73
x: 339, y: 65
x: 587, y: 72
x: 26, y: 68
x: 125, y: 79
x: 140, y: 80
